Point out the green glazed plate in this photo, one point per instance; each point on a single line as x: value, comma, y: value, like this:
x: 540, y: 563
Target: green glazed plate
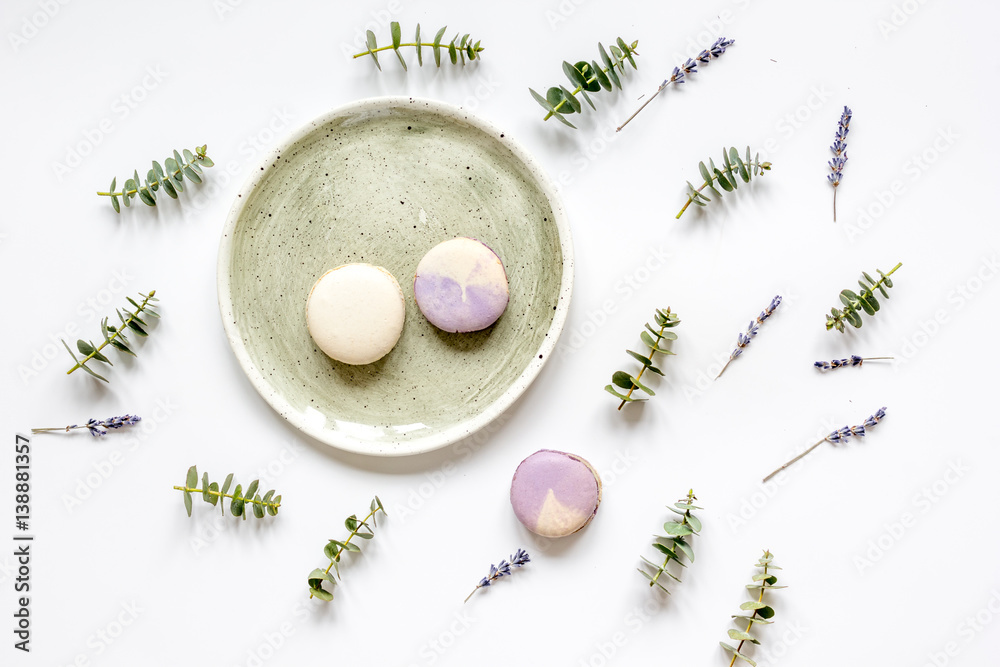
x: 382, y: 181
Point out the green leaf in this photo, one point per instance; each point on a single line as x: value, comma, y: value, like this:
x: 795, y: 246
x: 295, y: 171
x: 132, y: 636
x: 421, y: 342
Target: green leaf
x: 258, y: 510
x: 115, y: 205
x: 853, y: 318
x: 677, y: 529
x: 227, y: 483
x: 645, y: 361
x: 541, y: 100
x: 684, y: 547
x: 317, y: 576
x: 350, y: 546
x: 252, y: 488
x: 602, y: 79
x: 134, y: 326
x: 736, y: 653
x: 437, y: 45
x: 611, y: 390
x: 704, y: 172
x: 752, y: 605
x: 609, y: 66
x: 452, y: 52
x: 739, y: 635
x: 695, y: 522
x: 420, y: 48
x: 213, y: 497
x: 146, y: 196
x: 192, y: 477
x: 205, y: 487
x: 886, y: 280
x: 867, y: 307
x: 187, y: 502
x: 724, y: 182
x: 574, y: 75
x: 555, y: 97
x: 571, y: 100
x: 765, y: 611
x: 627, y: 51
x: 273, y: 511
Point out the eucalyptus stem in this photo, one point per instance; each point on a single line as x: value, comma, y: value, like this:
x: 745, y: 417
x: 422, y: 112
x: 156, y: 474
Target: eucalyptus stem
x: 643, y: 369
x: 222, y: 495
x: 118, y: 331
x: 760, y: 599
x: 390, y: 47
x: 353, y: 534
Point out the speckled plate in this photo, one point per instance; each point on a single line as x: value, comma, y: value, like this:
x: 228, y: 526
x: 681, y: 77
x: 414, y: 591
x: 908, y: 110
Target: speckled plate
x: 382, y: 181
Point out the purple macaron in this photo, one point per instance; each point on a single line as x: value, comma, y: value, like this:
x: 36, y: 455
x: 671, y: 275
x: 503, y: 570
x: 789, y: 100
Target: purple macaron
x: 461, y: 286
x: 555, y: 494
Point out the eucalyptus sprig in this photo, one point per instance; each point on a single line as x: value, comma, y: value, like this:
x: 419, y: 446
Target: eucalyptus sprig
x: 674, y: 544
x: 653, y: 339
x: 456, y: 48
x: 588, y: 78
x: 334, y: 549
x: 736, y: 169
x: 865, y: 301
x: 759, y: 611
x: 115, y: 335
x: 212, y: 493
x: 170, y: 177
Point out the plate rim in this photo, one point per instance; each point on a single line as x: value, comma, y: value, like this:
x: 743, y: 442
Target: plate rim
x: 455, y: 432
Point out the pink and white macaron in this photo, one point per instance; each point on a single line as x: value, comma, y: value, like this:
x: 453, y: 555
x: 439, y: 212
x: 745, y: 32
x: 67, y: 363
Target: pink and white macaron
x: 554, y: 493
x: 461, y: 286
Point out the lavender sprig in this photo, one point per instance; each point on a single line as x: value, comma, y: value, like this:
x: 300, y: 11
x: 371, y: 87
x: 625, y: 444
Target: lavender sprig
x: 97, y: 428
x: 837, y: 437
x: 519, y: 558
x: 690, y: 67
x: 839, y: 149
x: 744, y: 339
x: 855, y: 360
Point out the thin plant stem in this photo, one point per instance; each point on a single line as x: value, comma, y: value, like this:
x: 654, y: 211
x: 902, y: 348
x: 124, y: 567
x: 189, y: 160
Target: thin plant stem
x: 418, y: 44
x: 651, y: 97
x: 228, y: 495
x: 835, y: 204
x: 796, y: 459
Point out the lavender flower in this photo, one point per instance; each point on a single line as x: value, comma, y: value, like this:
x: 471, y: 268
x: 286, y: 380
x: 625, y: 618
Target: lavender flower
x: 743, y: 339
x: 838, y: 436
x: 689, y: 67
x: 855, y: 360
x: 97, y: 428
x: 839, y: 149
x: 519, y: 558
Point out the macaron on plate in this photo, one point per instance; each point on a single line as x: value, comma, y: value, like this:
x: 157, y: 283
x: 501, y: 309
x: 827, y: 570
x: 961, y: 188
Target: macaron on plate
x: 382, y: 182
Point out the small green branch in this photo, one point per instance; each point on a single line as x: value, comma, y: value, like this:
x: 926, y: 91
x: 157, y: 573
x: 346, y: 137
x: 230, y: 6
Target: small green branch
x: 735, y: 169
x: 674, y: 544
x: 117, y: 339
x: 221, y: 495
x: 169, y: 177
x: 212, y: 493
x: 653, y: 339
x: 865, y: 301
x: 334, y: 549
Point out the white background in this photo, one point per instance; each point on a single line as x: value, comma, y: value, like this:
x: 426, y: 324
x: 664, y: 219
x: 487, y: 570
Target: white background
x: 863, y: 587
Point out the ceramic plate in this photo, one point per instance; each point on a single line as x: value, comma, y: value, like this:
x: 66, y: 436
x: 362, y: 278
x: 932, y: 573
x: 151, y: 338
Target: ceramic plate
x: 383, y: 181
